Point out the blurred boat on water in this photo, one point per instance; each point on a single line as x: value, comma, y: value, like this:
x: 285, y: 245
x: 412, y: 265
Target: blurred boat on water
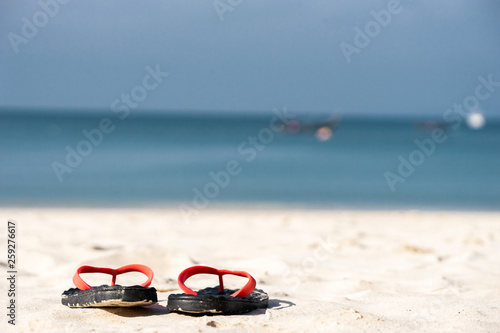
x: 323, y: 130
x: 429, y: 126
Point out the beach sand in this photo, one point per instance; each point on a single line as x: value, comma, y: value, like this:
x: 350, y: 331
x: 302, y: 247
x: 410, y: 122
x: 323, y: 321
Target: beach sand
x: 344, y: 271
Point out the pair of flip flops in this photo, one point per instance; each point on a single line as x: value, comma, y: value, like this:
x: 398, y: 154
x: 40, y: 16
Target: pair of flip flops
x: 215, y: 300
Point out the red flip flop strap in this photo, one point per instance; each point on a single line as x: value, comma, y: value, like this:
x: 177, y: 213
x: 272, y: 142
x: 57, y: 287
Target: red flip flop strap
x: 82, y: 285
x: 188, y: 272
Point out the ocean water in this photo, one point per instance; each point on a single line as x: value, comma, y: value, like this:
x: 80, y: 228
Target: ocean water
x: 201, y: 161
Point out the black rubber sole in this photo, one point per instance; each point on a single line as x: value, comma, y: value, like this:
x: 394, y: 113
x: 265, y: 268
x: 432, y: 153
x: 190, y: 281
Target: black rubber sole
x: 211, y: 301
x: 109, y: 296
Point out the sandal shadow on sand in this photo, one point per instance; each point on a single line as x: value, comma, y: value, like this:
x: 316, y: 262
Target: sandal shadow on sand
x: 85, y: 296
x: 217, y: 300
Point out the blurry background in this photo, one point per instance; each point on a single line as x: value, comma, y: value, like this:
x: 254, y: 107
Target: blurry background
x: 353, y: 115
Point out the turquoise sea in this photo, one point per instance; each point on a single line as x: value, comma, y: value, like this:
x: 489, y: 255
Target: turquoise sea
x: 201, y: 160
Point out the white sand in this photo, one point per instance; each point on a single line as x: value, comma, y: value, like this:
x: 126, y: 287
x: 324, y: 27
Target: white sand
x: 325, y: 271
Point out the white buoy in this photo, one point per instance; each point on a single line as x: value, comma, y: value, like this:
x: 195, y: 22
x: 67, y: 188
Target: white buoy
x: 475, y: 120
x: 324, y: 133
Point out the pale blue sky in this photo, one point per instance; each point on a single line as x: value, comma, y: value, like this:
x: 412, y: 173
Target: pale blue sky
x: 264, y: 54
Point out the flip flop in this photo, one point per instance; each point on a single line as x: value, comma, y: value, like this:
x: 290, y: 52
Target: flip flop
x: 85, y: 296
x: 217, y: 300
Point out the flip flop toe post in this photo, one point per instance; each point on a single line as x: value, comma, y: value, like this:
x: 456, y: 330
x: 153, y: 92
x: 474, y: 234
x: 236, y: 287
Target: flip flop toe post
x: 110, y: 296
x: 217, y: 300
